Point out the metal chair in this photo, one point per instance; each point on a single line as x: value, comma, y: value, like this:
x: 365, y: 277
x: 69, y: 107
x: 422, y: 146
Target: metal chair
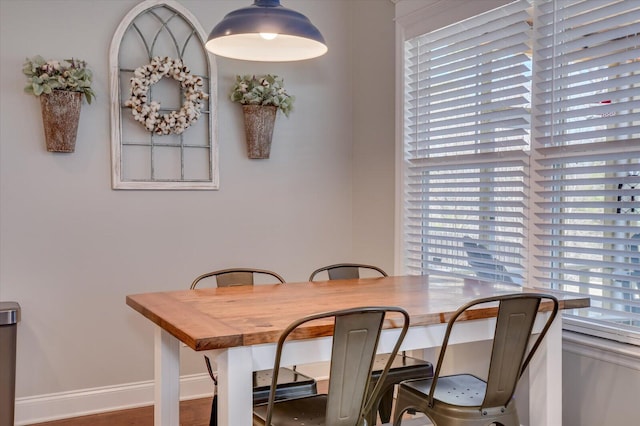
x: 291, y: 383
x: 464, y: 399
x: 236, y: 276
x: 346, y: 271
x: 403, y: 367
x: 356, y: 334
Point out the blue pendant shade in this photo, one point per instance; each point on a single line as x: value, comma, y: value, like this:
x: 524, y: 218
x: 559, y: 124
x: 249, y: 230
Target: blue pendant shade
x: 267, y: 32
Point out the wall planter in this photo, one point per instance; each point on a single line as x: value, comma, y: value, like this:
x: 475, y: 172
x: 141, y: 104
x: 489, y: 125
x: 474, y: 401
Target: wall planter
x: 60, y: 86
x: 60, y: 117
x: 261, y: 98
x: 258, y: 125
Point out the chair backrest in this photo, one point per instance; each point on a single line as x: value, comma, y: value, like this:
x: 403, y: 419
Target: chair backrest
x: 483, y: 263
x: 235, y: 276
x: 346, y: 271
x: 509, y: 357
x: 356, y: 333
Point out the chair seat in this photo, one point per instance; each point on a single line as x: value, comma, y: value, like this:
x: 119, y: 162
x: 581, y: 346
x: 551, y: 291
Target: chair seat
x: 309, y: 411
x: 463, y: 390
x: 457, y: 402
x: 402, y: 365
x: 291, y: 384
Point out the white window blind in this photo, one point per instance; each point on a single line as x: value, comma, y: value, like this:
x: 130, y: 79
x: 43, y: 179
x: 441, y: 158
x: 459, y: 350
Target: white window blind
x: 587, y: 159
x: 466, y: 140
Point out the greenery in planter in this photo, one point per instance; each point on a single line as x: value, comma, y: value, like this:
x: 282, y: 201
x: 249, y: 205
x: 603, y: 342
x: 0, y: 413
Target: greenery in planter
x: 265, y: 90
x: 46, y: 76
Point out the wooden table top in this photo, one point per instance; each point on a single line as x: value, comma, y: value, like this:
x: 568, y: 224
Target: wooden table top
x: 215, y: 318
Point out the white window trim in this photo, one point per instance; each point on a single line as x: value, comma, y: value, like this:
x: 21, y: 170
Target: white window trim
x: 601, y: 349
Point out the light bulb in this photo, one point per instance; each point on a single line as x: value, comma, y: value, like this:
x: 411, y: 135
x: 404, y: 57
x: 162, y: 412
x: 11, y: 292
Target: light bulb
x: 268, y: 36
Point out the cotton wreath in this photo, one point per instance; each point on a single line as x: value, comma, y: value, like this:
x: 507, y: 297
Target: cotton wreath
x: 148, y: 113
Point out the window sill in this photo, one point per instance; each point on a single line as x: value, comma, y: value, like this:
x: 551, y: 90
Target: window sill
x: 623, y: 354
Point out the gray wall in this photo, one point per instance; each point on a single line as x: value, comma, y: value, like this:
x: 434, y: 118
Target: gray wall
x: 71, y: 248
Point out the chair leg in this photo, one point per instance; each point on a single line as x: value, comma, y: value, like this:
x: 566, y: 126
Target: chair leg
x: 402, y: 405
x: 385, y: 405
x: 213, y: 419
x: 397, y: 418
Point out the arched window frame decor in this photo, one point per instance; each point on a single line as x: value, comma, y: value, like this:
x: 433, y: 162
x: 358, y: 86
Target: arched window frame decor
x: 204, y: 142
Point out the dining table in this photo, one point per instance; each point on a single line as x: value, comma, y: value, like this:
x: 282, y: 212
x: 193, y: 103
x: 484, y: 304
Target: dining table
x: 239, y: 328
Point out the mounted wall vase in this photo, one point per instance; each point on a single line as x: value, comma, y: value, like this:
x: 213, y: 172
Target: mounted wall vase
x: 258, y: 125
x: 261, y: 98
x: 60, y: 118
x: 60, y: 85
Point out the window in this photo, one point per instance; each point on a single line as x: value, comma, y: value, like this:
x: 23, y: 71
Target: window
x: 587, y: 120
x: 466, y: 146
x: 522, y: 153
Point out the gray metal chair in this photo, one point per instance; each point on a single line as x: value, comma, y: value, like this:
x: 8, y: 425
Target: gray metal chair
x: 403, y: 367
x: 356, y: 333
x: 345, y: 271
x: 464, y: 399
x: 236, y: 276
x: 291, y: 383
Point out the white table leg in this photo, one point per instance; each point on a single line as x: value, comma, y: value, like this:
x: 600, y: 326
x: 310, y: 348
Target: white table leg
x: 235, y: 384
x: 545, y: 379
x: 167, y: 379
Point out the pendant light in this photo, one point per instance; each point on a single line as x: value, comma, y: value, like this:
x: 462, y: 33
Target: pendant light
x: 268, y: 32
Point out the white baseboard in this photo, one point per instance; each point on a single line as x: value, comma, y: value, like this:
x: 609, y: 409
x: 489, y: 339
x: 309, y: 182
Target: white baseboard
x: 63, y: 405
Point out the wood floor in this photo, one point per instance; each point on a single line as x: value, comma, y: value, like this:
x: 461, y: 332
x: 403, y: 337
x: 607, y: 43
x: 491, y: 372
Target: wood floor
x: 192, y: 413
